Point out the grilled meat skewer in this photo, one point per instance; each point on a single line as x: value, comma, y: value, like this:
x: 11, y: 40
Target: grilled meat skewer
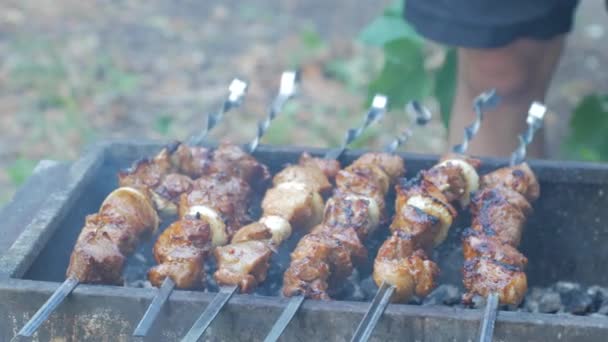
x: 423, y: 216
x: 209, y: 215
x: 294, y: 202
x: 326, y: 256
x: 155, y: 181
x: 500, y: 209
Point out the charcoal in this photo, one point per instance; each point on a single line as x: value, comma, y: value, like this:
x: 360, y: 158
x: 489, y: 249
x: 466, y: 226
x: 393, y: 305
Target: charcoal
x: 599, y: 295
x: 576, y: 301
x: 603, y: 310
x: 443, y: 295
x: 479, y: 302
x: 369, y: 288
x: 532, y: 300
x: 550, y: 302
x: 563, y: 287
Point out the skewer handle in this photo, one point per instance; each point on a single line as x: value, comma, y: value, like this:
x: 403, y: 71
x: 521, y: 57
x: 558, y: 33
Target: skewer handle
x: 486, y: 331
x: 536, y: 114
x: 421, y: 116
x: 236, y: 94
x: 205, y: 319
x: 287, y: 89
x: 51, y: 304
x: 286, y: 316
x: 373, y: 314
x: 153, y: 311
x: 485, y: 101
x: 375, y: 113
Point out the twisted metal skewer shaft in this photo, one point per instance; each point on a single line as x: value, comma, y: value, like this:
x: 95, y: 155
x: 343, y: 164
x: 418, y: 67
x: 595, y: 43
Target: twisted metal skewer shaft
x: 287, y: 90
x: 236, y: 94
x: 485, y: 101
x: 536, y: 113
x: 375, y: 113
x: 420, y: 115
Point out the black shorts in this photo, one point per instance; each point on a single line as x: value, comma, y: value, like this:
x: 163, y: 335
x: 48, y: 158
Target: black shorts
x: 489, y: 23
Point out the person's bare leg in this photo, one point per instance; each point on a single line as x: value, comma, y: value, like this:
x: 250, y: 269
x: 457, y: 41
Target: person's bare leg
x: 521, y: 73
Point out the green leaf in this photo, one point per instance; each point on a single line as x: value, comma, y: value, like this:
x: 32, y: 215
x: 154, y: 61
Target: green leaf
x: 385, y: 29
x: 395, y: 9
x: 403, y: 76
x: 20, y: 170
x: 445, y: 85
x: 162, y: 124
x: 587, y: 137
x: 311, y: 39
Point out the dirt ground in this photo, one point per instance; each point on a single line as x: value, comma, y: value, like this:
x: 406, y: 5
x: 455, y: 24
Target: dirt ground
x: 73, y: 72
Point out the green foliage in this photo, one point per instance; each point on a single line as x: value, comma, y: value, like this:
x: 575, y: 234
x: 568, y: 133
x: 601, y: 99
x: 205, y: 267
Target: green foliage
x: 162, y: 124
x: 445, y: 85
x: 20, y: 170
x: 588, y: 126
x: 404, y: 76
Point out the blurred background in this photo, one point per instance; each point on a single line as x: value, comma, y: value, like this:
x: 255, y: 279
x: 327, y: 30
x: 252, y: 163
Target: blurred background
x: 73, y: 72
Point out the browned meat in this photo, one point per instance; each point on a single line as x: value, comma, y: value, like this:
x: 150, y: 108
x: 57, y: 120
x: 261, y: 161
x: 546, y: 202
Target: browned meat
x: 326, y: 256
x: 391, y: 164
x: 227, y: 195
x: 519, y: 178
x: 500, y: 212
x: 252, y: 231
x: 423, y: 216
x: 180, y: 251
x: 318, y: 260
x: 425, y: 196
x: 365, y: 182
x: 476, y: 244
x: 483, y: 276
x: 500, y: 209
x: 231, y: 159
x: 400, y: 265
x: 420, y: 226
x: 111, y: 234
x: 330, y: 167
x: 295, y: 202
x: 244, y: 264
x: 192, y: 161
x: 312, y: 176
x: 358, y: 212
x: 166, y: 176
x: 346, y: 236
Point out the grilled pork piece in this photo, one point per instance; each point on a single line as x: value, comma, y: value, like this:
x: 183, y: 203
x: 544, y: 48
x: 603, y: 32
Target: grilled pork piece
x: 168, y: 175
x: 423, y: 216
x: 111, y: 234
x: 408, y: 269
x: 179, y: 252
x: 327, y: 255
x: 209, y: 215
x: 294, y: 202
x: 492, y: 262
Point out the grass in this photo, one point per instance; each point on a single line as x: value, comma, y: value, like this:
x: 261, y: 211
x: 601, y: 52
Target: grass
x: 53, y: 88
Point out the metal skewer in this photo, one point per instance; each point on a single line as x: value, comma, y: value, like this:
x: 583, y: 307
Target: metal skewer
x: 421, y: 116
x: 483, y: 102
x: 287, y: 90
x: 235, y: 96
x: 375, y: 113
x: 536, y: 114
